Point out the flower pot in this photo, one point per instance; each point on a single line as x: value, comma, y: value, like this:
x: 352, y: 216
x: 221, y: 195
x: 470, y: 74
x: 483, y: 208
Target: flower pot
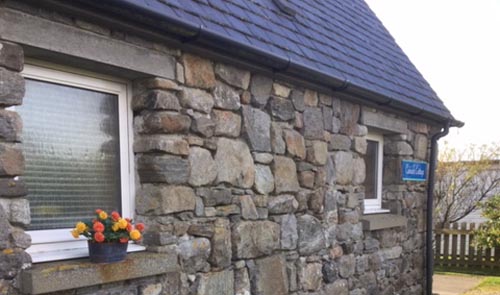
x: 107, y: 252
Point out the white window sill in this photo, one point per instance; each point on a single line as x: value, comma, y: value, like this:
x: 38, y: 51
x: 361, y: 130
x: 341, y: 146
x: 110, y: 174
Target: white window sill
x: 376, y: 211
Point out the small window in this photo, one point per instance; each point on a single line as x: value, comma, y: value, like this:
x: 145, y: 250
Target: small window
x: 76, y: 143
x: 373, y: 181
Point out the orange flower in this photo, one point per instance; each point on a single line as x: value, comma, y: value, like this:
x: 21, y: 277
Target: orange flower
x: 115, y: 215
x: 99, y: 237
x: 98, y: 227
x: 103, y: 215
x: 130, y: 227
x: 97, y: 211
x: 135, y: 235
x: 140, y: 226
x: 123, y: 240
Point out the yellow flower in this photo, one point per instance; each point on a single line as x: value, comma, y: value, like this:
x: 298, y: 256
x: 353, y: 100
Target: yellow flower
x: 81, y: 227
x: 135, y: 235
x: 115, y: 226
x: 103, y: 215
x: 75, y: 233
x: 122, y: 223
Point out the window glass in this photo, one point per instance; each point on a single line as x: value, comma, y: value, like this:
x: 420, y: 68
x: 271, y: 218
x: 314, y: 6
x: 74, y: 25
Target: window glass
x: 371, y: 162
x: 71, y: 147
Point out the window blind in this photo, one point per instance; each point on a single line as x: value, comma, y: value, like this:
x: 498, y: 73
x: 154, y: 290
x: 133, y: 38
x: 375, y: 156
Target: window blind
x: 71, y: 148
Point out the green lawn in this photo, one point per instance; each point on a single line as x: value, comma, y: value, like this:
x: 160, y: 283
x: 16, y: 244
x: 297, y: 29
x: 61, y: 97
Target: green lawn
x: 488, y: 286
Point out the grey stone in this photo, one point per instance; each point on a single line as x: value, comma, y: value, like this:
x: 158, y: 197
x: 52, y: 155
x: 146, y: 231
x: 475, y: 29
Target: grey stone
x: 420, y: 147
x: 291, y: 270
x: 248, y: 210
x: 310, y: 98
x: 313, y: 123
x: 10, y: 125
x: 152, y: 289
x: 227, y: 210
x: 289, y: 234
x: 306, y: 179
x: 227, y: 123
x: 234, y: 163
x: 317, y: 152
x: 282, y: 204
x: 5, y: 227
x: 360, y: 145
x: 165, y: 199
x: 282, y: 109
x: 298, y: 100
x: 233, y: 76
x: 277, y: 142
x: 391, y: 253
x: 156, y: 83
x: 269, y: 276
x: 163, y: 168
x: 156, y: 100
x: 281, y: 90
x: 285, y: 175
x: 201, y: 230
x: 241, y: 282
x: 316, y: 201
x: 264, y: 180
x: 349, y: 116
x: 251, y: 239
x: 336, y: 124
x: 260, y: 87
x: 344, y: 167
x: 12, y: 188
x: 193, y: 254
x: 295, y: 143
x: 263, y: 158
x: 359, y: 171
x: 330, y: 271
x: 11, y: 56
x: 216, y: 283
x: 400, y: 148
x: 340, y: 142
x: 166, y: 122
x: 215, y: 196
x: 198, y: 71
x: 197, y: 99
x: 220, y: 255
x: 257, y: 129
x: 226, y: 97
x: 20, y: 212
x: 84, y: 44
x: 311, y: 236
x: 327, y: 118
x: 203, y: 168
x: 11, y: 160
x: 203, y: 125
x: 310, y: 276
x: 339, y: 287
x: 325, y: 99
x: 171, y: 144
x: 347, y: 266
x: 199, y: 209
x: 372, y: 118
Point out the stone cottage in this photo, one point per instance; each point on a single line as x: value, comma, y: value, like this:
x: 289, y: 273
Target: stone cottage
x: 260, y: 141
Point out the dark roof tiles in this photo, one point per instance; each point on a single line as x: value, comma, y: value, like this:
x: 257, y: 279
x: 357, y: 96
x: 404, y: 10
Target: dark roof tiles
x: 341, y: 38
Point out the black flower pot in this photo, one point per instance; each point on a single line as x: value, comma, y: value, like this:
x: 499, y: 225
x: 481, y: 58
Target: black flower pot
x: 107, y: 252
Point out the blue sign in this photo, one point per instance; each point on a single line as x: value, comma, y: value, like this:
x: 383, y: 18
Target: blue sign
x: 414, y: 171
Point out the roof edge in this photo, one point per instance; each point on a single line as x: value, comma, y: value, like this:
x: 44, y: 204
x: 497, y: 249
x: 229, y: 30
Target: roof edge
x: 198, y: 35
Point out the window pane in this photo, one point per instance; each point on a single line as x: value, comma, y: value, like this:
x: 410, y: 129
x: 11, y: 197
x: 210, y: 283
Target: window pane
x: 71, y: 147
x: 371, y: 170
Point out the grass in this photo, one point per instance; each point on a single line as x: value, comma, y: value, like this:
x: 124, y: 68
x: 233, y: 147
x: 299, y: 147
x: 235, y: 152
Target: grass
x: 488, y: 286
x: 477, y: 271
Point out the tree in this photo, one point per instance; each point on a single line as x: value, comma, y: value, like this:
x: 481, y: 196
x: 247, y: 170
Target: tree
x: 488, y: 235
x: 463, y: 180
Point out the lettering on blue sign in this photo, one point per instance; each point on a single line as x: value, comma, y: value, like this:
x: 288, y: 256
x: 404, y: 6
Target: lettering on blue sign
x: 414, y: 171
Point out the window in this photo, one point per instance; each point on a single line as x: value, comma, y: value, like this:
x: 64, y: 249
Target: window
x: 373, y: 181
x: 76, y: 143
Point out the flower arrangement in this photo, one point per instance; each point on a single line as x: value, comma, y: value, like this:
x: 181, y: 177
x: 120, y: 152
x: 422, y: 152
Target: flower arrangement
x: 108, y: 228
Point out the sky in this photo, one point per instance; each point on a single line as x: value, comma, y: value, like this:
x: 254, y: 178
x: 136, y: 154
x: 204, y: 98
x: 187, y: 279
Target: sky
x: 455, y: 44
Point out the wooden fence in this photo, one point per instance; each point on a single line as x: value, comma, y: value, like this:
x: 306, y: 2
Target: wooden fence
x: 453, y: 248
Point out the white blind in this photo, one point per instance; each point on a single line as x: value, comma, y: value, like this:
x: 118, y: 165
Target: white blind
x: 71, y: 147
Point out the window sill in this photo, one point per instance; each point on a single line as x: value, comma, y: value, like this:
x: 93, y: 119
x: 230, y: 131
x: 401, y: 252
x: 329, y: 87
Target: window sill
x: 382, y: 221
x: 71, y: 274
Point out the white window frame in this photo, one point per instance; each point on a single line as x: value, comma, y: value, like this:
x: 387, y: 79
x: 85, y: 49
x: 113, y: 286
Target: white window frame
x: 373, y: 206
x: 58, y: 244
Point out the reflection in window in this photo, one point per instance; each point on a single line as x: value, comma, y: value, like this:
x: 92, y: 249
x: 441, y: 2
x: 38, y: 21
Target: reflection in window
x: 71, y: 146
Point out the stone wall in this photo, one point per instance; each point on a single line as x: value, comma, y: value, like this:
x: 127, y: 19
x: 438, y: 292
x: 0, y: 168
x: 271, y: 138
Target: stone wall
x: 255, y: 184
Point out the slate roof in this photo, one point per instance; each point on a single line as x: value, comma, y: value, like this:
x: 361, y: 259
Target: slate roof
x: 342, y: 38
